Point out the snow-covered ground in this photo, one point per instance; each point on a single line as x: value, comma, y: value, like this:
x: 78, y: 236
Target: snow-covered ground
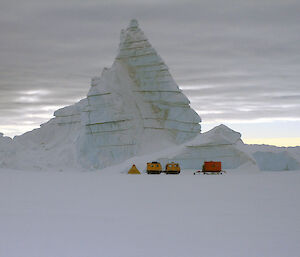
x: 59, y: 214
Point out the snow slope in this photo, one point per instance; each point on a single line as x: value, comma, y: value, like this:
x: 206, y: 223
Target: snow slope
x: 221, y: 143
x: 56, y: 214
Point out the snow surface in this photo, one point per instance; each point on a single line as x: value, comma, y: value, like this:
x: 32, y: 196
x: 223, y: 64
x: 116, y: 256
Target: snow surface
x: 99, y: 214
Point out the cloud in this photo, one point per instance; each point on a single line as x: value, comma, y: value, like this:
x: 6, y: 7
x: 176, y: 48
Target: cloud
x: 235, y: 60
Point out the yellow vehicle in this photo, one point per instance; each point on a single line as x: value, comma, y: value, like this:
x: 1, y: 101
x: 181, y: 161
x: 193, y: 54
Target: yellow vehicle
x: 154, y: 168
x: 172, y: 168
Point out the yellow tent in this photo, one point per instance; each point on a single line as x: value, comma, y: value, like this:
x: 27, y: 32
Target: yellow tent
x: 134, y: 170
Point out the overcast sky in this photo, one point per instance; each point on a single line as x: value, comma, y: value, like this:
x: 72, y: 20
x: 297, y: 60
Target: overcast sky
x: 237, y: 61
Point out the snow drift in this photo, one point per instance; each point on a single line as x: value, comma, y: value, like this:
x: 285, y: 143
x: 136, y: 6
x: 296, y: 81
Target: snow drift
x: 135, y: 108
x: 221, y: 143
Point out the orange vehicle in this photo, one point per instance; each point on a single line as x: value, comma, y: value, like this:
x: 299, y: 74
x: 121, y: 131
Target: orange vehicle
x: 211, y: 168
x: 154, y: 168
x: 172, y: 168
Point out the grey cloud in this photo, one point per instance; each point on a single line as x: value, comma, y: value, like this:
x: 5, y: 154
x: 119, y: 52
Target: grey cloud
x: 228, y: 56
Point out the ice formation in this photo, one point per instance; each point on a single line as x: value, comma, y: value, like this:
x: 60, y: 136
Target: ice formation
x: 135, y: 108
x: 221, y: 143
x: 274, y: 158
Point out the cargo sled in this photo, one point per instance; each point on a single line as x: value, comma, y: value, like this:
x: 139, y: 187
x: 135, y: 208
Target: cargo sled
x: 211, y: 168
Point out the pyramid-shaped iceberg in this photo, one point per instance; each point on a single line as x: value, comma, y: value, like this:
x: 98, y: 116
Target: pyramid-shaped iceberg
x: 134, y: 111
x: 134, y: 107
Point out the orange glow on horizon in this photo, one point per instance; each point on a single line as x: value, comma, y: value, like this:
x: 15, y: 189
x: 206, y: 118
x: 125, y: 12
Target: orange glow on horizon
x: 280, y: 141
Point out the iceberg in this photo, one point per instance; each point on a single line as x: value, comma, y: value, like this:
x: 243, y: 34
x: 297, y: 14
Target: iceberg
x: 134, y: 107
x: 133, y: 110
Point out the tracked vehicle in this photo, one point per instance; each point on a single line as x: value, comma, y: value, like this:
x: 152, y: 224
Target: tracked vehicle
x: 172, y: 168
x: 154, y: 168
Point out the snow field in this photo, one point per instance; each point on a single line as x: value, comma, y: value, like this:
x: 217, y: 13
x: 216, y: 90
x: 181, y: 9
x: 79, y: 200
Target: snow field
x: 56, y: 214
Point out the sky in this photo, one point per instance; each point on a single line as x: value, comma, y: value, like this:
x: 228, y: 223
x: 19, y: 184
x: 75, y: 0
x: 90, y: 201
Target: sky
x: 237, y: 61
